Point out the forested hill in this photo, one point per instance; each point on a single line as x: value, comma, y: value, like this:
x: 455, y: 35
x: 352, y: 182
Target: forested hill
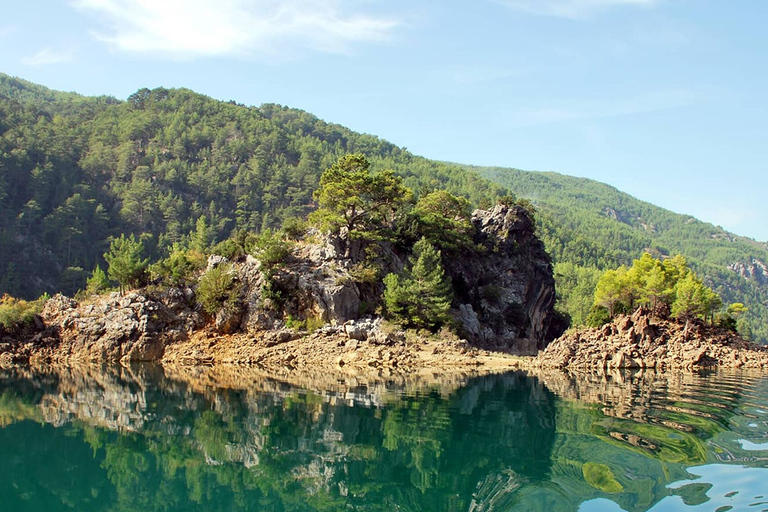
x: 172, y: 165
x: 589, y: 226
x: 164, y: 164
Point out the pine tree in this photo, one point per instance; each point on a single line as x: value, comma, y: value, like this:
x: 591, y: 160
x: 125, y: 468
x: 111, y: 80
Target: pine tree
x: 419, y: 297
x: 126, y: 266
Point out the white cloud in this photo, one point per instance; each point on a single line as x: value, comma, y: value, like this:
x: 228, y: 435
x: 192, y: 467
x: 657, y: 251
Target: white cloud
x: 48, y: 56
x: 263, y: 28
x: 575, y: 9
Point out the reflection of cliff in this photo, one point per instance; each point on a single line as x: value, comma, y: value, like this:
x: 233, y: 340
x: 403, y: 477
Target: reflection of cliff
x: 287, y: 449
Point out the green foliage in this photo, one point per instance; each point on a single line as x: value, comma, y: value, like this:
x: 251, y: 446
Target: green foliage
x: 98, y: 282
x: 421, y: 296
x: 126, y: 266
x: 356, y: 204
x: 593, y: 225
x: 295, y: 228
x: 597, y: 317
x: 15, y: 312
x: 444, y: 219
x: 309, y: 324
x: 218, y: 289
x: 575, y: 290
x: 179, y: 268
x: 172, y: 164
x: 271, y: 249
x: 661, y: 285
x: 365, y: 272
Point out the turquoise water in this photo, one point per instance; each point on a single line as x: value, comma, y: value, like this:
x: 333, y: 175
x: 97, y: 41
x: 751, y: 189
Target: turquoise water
x: 114, y: 439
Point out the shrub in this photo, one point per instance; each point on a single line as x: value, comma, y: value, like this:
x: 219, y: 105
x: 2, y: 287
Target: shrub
x: 98, y: 282
x: 598, y: 316
x: 365, y: 272
x: 271, y: 249
x: 230, y: 249
x: 295, y: 228
x: 15, y: 312
x: 179, y: 268
x: 218, y: 289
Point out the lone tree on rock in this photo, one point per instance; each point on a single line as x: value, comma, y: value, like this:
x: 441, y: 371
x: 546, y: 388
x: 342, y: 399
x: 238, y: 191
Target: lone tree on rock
x: 358, y: 205
x: 126, y: 266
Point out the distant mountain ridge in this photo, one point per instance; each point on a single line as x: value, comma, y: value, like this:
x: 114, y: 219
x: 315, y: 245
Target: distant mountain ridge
x: 171, y: 164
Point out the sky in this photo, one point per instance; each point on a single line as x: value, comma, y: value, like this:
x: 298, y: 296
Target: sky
x: 664, y: 99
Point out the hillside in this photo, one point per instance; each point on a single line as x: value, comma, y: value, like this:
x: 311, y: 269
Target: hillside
x: 164, y: 164
x: 171, y: 165
x: 589, y: 226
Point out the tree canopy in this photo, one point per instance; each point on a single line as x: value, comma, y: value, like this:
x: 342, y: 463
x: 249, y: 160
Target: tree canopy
x: 667, y: 286
x: 356, y: 204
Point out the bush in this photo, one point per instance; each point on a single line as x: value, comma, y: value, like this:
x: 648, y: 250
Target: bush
x: 15, y: 312
x: 598, y: 316
x: 218, y: 289
x: 98, y: 282
x: 271, y: 249
x: 179, y: 268
x: 230, y: 249
x: 295, y: 228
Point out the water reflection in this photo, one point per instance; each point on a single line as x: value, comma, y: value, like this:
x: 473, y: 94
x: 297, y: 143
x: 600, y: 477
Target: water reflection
x: 124, y: 439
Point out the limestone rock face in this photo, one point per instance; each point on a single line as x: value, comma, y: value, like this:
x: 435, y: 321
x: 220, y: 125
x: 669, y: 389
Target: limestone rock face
x: 134, y: 327
x: 506, y: 289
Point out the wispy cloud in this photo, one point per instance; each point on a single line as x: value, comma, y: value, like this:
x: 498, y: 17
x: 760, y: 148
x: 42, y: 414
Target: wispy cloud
x: 574, y: 9
x: 574, y: 110
x: 262, y: 28
x: 48, y: 56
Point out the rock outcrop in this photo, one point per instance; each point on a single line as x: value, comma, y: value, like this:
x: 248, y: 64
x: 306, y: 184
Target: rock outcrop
x: 506, y: 290
x: 639, y: 341
x: 504, y: 298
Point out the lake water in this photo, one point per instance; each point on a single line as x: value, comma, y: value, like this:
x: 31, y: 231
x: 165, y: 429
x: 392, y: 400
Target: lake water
x: 138, y: 439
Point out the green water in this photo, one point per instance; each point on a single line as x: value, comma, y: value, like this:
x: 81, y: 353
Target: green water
x: 116, y: 439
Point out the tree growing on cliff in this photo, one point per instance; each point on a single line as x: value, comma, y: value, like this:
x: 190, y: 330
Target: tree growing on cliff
x: 421, y: 296
x: 356, y: 204
x: 126, y: 266
x: 444, y: 219
x: 218, y: 289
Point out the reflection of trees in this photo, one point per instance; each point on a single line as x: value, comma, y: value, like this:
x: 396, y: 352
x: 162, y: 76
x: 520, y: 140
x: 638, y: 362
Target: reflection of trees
x: 293, y: 450
x: 135, y: 441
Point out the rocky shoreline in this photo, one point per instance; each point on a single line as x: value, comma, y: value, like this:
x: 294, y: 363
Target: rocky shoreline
x: 641, y: 341
x: 160, y: 328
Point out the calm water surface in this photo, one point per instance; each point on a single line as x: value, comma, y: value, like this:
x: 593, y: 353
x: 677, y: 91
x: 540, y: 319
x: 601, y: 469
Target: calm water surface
x: 114, y: 439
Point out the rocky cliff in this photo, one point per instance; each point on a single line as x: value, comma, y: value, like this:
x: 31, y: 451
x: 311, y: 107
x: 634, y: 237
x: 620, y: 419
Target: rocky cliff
x: 503, y: 287
x: 505, y: 290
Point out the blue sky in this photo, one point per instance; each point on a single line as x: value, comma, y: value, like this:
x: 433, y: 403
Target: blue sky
x: 664, y: 99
